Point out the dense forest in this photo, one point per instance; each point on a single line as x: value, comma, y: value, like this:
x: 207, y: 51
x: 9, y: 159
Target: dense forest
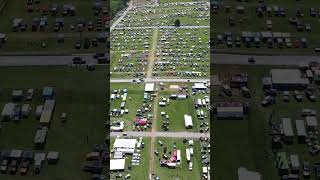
x: 117, y: 5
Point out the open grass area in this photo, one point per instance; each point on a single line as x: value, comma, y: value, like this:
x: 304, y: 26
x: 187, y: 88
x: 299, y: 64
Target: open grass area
x: 251, y: 22
x: 182, y: 171
x: 250, y: 136
x: 176, y: 109
x: 173, y: 1
x: 135, y: 92
x: 137, y: 172
x: 21, y: 40
x: 79, y: 93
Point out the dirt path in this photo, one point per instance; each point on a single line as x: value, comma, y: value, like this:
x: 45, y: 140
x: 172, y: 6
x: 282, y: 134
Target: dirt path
x: 153, y: 133
x: 152, y: 52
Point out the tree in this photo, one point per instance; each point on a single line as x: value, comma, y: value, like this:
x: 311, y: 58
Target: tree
x: 177, y: 23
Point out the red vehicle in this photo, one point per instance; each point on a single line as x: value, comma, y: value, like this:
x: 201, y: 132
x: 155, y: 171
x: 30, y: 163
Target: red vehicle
x: 30, y: 8
x: 141, y: 121
x: 296, y: 44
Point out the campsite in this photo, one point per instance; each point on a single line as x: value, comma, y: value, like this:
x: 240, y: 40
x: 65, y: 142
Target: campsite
x: 296, y: 23
x: 259, y: 126
x: 183, y: 170
x: 83, y: 105
x: 54, y: 25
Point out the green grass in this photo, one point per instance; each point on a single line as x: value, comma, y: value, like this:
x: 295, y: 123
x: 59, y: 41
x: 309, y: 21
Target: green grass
x: 250, y: 136
x: 177, y: 109
x: 135, y: 91
x: 80, y: 94
x: 173, y: 1
x: 138, y: 172
x: 182, y: 171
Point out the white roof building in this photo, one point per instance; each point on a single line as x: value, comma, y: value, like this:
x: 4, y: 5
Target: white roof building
x: 199, y: 86
x: 149, y: 87
x: 125, y: 145
x: 118, y: 128
x: 117, y: 164
x: 188, y: 121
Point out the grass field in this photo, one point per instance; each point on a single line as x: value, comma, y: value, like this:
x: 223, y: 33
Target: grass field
x: 137, y: 172
x: 256, y: 24
x: 135, y: 91
x: 178, y: 108
x: 22, y: 40
x: 250, y: 136
x: 182, y: 171
x: 79, y: 93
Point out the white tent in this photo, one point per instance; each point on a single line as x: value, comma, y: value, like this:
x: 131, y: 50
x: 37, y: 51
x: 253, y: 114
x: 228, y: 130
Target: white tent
x: 117, y: 164
x: 149, y: 87
x: 125, y: 145
x: 188, y: 121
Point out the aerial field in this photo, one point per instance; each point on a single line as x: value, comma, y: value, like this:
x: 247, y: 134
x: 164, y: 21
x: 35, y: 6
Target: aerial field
x: 84, y: 13
x: 251, y: 135
x: 250, y: 21
x: 182, y: 51
x: 166, y: 14
x: 135, y: 92
x: 80, y: 94
x: 176, y: 109
x: 182, y: 171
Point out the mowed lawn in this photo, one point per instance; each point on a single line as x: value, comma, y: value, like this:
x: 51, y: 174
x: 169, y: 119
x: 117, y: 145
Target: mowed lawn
x: 135, y: 92
x: 246, y: 142
x: 176, y: 111
x: 141, y: 171
x: 182, y: 172
x: 79, y: 93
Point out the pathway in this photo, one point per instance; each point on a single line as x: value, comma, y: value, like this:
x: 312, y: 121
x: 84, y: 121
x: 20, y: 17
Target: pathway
x: 152, y: 52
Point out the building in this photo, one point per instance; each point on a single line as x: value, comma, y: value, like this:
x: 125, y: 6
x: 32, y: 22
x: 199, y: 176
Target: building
x: 199, y: 86
x: 117, y: 127
x: 301, y: 131
x: 48, y: 92
x: 238, y: 80
x: 188, y: 121
x: 149, y: 87
x: 40, y: 138
x: 229, y: 112
x: 287, y: 130
x: 117, y: 164
x: 47, y: 113
x: 311, y: 122
x: 8, y: 111
x: 288, y: 79
x: 126, y: 146
x: 295, y: 164
x: 244, y: 174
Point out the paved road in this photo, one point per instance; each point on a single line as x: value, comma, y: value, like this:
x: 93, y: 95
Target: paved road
x: 42, y: 60
x: 191, y: 135
x: 122, y: 16
x: 262, y: 60
x: 163, y: 27
x: 159, y: 80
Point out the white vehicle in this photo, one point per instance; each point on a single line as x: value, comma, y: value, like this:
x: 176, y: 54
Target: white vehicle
x: 190, y: 166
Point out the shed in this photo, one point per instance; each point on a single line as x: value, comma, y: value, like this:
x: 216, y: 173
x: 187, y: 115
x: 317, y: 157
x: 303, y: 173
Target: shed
x: 125, y: 145
x: 301, y: 131
x: 288, y: 79
x: 40, y: 137
x: 199, y: 86
x: 17, y: 95
x: 8, y: 111
x: 53, y: 157
x: 39, y: 110
x: 312, y: 122
x: 48, y: 92
x: 287, y: 130
x: 47, y: 112
x: 295, y: 164
x: 38, y: 161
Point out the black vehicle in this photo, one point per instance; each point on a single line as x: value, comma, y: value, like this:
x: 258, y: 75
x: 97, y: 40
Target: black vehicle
x: 251, y: 60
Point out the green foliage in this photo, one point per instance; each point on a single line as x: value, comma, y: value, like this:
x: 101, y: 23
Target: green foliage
x: 117, y: 5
